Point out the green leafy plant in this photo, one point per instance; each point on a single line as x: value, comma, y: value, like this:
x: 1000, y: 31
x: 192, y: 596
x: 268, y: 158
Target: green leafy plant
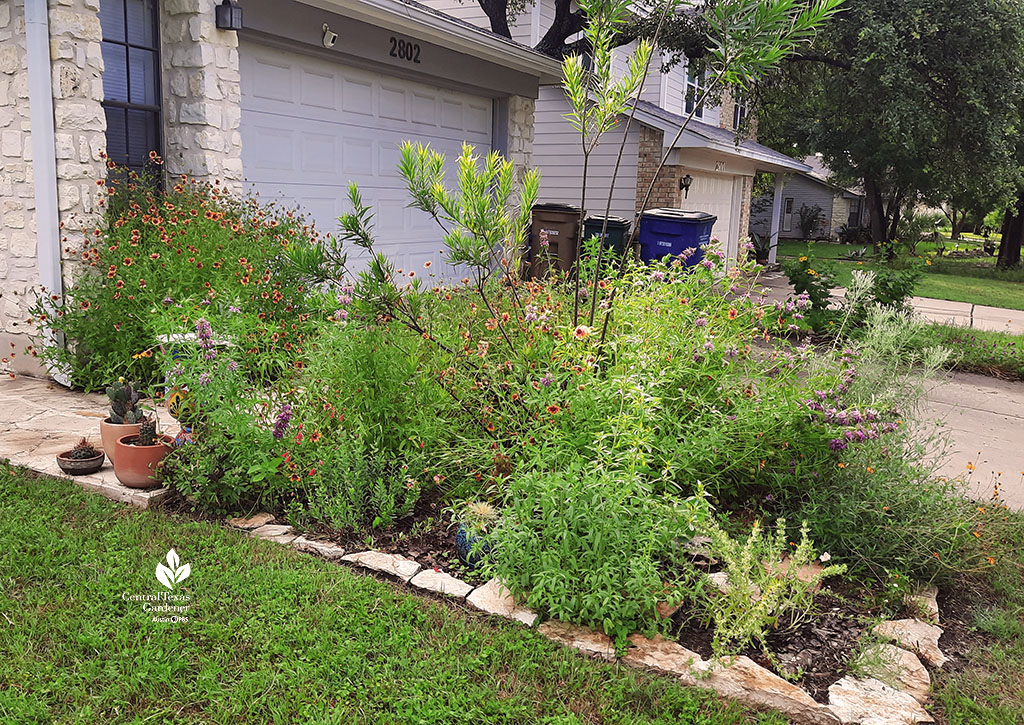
x: 583, y: 545
x: 809, y: 219
x: 815, y: 279
x: 767, y: 584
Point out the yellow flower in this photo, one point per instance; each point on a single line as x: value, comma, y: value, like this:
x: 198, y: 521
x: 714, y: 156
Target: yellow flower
x: 812, y: 273
x: 803, y: 259
x: 928, y: 262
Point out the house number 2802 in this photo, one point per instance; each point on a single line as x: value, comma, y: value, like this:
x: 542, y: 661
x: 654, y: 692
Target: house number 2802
x: 405, y: 50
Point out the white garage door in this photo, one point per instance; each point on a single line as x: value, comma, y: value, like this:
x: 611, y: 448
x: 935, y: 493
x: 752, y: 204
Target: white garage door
x: 310, y: 126
x: 716, y: 194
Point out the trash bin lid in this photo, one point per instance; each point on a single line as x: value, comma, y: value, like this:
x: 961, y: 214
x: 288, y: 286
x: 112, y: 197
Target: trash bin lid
x: 612, y: 220
x: 701, y: 217
x: 555, y: 206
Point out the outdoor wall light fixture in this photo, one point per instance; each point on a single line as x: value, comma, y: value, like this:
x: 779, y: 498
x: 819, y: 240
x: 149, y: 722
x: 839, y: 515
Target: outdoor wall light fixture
x: 330, y: 37
x: 229, y: 16
x: 684, y: 185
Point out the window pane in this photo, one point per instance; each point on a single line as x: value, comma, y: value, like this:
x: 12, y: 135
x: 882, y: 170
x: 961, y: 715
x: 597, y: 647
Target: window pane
x: 143, y: 76
x: 142, y: 137
x: 140, y: 22
x: 112, y: 19
x: 117, y: 139
x: 115, y: 72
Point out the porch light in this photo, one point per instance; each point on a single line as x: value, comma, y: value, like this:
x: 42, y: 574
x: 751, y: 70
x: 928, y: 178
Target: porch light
x: 229, y: 16
x: 684, y: 185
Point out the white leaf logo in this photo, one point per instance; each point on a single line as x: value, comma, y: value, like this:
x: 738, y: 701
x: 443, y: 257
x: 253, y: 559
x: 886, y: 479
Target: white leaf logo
x: 172, y: 574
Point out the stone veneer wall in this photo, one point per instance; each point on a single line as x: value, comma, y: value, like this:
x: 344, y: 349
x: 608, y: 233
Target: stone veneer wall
x: 666, y: 188
x: 202, y: 94
x: 79, y: 126
x: 520, y: 133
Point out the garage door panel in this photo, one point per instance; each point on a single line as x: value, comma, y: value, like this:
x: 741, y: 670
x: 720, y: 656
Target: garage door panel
x: 318, y: 90
x: 310, y: 126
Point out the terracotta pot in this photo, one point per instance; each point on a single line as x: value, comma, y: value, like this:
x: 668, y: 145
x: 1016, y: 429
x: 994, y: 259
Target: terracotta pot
x: 135, y: 466
x: 110, y: 432
x: 79, y: 466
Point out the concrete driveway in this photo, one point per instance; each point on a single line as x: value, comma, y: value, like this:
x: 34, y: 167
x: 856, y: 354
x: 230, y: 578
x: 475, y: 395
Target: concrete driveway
x: 984, y: 418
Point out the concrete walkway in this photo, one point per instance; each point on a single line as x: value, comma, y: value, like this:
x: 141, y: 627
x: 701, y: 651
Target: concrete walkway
x: 39, y: 419
x: 985, y: 420
x: 964, y: 314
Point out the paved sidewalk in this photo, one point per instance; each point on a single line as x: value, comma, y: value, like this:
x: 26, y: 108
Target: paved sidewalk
x: 964, y: 314
x: 39, y: 419
x: 985, y: 420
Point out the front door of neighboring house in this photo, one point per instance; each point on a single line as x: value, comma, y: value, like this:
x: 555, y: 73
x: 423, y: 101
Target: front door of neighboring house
x: 854, y: 218
x: 787, y: 214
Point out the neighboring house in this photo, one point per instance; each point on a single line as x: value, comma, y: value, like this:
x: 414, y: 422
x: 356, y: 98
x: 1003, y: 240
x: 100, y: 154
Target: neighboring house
x: 307, y: 96
x: 840, y: 206
x: 722, y: 169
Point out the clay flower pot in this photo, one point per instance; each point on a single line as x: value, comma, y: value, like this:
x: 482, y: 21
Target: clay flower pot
x: 79, y: 466
x: 111, y: 432
x: 135, y: 466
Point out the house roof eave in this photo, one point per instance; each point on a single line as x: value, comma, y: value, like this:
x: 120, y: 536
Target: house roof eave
x: 442, y: 29
x: 767, y: 159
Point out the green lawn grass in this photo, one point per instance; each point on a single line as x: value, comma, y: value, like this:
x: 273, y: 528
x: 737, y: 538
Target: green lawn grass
x: 988, y: 688
x: 943, y: 283
x: 274, y: 636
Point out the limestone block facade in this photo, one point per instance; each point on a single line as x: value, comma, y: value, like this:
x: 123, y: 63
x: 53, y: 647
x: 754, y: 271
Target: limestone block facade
x: 76, y: 67
x: 202, y: 94
x: 519, y: 146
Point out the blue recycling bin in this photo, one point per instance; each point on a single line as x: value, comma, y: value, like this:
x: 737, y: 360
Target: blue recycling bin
x: 666, y: 232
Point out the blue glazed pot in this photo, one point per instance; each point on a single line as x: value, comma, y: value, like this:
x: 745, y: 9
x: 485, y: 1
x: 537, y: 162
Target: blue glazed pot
x: 465, y: 540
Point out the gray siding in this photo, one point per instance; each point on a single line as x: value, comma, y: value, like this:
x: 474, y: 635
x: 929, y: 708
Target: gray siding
x: 803, y: 191
x: 559, y: 156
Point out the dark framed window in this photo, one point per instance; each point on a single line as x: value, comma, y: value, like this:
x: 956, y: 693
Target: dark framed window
x: 131, y: 81
x: 696, y: 82
x: 739, y: 114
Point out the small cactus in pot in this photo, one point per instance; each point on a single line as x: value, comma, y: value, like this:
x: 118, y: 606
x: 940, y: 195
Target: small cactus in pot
x: 81, y: 460
x: 140, y: 454
x: 475, y: 519
x: 124, y: 403
x: 126, y: 413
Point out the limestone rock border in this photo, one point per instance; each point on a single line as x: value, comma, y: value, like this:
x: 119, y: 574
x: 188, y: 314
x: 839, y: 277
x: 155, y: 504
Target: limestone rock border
x: 852, y: 700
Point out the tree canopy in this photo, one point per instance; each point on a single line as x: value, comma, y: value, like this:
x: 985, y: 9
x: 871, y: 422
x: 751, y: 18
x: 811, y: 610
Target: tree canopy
x: 914, y: 99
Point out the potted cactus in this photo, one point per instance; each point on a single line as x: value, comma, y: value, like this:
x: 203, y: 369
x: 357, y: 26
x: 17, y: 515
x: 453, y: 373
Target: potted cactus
x: 475, y: 518
x: 81, y: 460
x: 125, y: 416
x: 139, y: 454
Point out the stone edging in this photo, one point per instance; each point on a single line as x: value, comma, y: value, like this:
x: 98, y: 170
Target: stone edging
x: 894, y: 689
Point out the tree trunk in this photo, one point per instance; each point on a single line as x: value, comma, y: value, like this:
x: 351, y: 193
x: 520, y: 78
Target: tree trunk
x: 876, y: 211
x: 893, y: 217
x: 1013, y: 224
x: 957, y: 223
x: 564, y: 26
x: 497, y: 12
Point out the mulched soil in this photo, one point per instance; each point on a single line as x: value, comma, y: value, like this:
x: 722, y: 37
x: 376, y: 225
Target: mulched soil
x: 812, y: 654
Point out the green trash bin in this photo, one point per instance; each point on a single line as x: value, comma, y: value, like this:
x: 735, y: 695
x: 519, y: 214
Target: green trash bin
x: 615, y: 236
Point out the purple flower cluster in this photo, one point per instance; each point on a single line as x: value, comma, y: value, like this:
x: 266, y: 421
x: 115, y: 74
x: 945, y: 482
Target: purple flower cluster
x: 205, y: 334
x: 283, y: 418
x: 344, y: 300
